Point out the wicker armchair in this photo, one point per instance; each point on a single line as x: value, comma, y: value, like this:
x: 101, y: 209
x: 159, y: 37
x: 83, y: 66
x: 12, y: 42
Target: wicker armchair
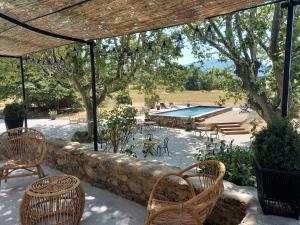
x: 205, y: 182
x: 22, y: 149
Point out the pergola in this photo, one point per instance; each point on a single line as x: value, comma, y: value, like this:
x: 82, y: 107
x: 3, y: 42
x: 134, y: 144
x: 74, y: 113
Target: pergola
x: 28, y: 26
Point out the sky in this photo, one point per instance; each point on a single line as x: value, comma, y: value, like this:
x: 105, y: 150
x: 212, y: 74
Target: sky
x: 188, y: 57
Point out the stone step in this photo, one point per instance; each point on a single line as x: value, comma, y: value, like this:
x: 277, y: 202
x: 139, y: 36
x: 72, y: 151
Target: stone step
x: 228, y: 125
x: 236, y: 132
x: 231, y: 128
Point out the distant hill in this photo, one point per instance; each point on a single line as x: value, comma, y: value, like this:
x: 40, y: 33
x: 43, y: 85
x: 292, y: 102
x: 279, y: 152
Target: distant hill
x: 214, y: 63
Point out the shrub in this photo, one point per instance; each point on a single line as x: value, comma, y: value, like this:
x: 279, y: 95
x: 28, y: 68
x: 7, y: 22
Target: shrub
x: 14, y: 110
x: 238, y: 162
x: 119, y: 124
x: 124, y: 98
x: 278, y: 146
x: 52, y: 113
x: 81, y: 137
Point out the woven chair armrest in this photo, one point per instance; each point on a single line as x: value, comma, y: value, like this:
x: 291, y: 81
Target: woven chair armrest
x: 42, y: 154
x: 158, y: 182
x: 203, y: 163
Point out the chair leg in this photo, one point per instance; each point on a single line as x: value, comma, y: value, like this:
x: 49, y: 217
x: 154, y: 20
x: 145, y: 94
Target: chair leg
x: 5, y: 172
x: 158, y: 150
x: 40, y: 171
x: 1, y: 175
x: 167, y: 150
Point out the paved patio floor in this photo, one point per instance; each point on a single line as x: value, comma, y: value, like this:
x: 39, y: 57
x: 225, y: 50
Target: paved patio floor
x: 183, y: 145
x: 101, y: 207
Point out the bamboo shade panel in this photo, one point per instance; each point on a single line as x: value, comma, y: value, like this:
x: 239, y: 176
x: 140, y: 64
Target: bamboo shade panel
x: 93, y: 19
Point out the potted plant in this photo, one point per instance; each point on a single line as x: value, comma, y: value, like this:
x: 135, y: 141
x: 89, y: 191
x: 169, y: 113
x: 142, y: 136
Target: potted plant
x: 14, y: 115
x: 52, y: 114
x: 277, y: 168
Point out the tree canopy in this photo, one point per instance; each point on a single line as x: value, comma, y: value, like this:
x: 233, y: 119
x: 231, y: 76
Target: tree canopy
x: 254, y: 41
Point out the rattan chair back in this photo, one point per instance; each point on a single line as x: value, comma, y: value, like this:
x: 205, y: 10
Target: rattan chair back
x: 24, y: 145
x: 205, y: 183
x: 22, y: 149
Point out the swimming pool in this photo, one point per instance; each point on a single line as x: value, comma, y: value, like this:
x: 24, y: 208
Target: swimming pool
x: 194, y: 111
x: 180, y: 117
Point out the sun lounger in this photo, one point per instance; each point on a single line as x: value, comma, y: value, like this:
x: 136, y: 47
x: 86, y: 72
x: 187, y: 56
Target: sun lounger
x: 163, y: 105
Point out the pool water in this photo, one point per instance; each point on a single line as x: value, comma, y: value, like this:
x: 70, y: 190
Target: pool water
x: 191, y: 111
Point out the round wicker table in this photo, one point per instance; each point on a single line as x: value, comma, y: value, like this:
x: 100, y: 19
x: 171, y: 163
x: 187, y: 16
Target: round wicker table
x: 55, y: 200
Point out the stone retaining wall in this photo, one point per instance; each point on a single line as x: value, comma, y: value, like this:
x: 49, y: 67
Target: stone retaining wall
x: 118, y: 173
x: 130, y: 178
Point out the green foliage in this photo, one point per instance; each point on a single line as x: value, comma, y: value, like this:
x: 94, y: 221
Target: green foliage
x: 253, y: 41
x: 212, y: 79
x: 238, y: 162
x: 14, y: 110
x: 114, y: 70
x: 278, y: 146
x: 81, y: 137
x: 232, y: 85
x: 119, y: 127
x: 169, y: 75
x: 42, y: 89
x: 130, y: 150
x: 52, y: 113
x: 124, y: 98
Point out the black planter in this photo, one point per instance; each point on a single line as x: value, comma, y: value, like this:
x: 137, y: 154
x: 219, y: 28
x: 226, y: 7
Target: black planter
x: 278, y: 191
x: 13, y: 123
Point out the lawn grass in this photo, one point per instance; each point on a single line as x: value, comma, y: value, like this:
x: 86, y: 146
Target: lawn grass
x: 178, y: 98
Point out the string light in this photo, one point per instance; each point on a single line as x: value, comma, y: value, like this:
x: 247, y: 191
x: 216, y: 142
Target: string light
x: 197, y: 34
x: 209, y: 33
x: 137, y: 53
x: 150, y: 51
x: 104, y: 52
x: 164, y: 47
x: 125, y: 54
x: 180, y: 42
x: 114, y: 52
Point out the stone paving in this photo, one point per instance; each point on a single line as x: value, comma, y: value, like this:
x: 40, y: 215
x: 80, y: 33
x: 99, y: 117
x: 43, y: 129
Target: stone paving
x: 183, y: 145
x: 101, y: 206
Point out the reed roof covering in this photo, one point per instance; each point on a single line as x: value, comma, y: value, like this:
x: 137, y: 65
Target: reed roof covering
x: 93, y: 19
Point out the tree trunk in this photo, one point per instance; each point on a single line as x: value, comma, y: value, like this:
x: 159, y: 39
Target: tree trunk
x: 90, y: 122
x: 262, y: 106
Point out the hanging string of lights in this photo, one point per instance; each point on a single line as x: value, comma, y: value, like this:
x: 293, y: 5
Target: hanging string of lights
x: 126, y: 53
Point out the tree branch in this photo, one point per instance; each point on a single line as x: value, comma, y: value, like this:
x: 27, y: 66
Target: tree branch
x: 240, y: 37
x: 223, y: 40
